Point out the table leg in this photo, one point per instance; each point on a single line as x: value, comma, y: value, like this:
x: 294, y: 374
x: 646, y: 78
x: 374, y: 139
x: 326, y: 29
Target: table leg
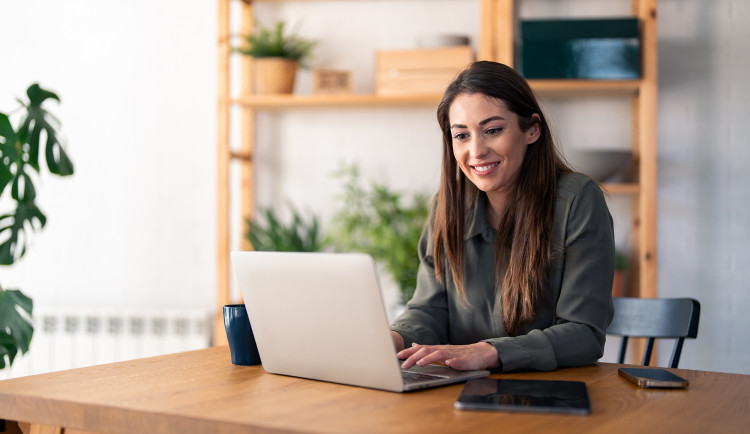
x: 9, y: 427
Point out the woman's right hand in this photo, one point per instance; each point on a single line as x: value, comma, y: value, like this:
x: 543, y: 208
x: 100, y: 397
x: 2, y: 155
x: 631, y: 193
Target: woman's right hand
x: 481, y: 355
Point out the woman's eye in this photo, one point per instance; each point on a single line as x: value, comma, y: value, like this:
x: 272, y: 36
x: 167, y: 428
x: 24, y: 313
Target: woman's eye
x: 494, y: 131
x: 460, y: 136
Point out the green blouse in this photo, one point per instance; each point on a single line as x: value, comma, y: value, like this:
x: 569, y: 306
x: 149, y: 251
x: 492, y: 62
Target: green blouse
x: 569, y: 329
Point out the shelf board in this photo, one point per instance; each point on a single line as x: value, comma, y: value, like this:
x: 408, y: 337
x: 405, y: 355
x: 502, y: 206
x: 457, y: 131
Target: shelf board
x: 621, y: 188
x: 280, y: 102
x: 583, y: 87
x: 551, y: 88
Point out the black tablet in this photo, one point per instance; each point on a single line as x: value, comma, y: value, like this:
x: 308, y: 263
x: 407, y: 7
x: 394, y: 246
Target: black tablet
x: 535, y: 396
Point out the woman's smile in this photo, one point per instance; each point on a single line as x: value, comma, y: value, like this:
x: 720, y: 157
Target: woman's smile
x: 485, y: 169
x: 488, y: 143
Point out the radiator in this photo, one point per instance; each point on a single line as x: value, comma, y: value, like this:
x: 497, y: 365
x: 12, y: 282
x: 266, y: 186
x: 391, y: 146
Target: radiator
x: 66, y: 338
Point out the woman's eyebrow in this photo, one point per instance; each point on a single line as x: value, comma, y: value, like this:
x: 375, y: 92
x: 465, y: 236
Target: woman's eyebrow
x: 490, y: 119
x: 481, y: 123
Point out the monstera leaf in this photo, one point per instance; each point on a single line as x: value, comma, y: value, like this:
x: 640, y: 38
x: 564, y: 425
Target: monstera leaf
x: 16, y: 227
x: 8, y: 141
x: 41, y: 121
x: 20, y: 152
x: 15, y: 329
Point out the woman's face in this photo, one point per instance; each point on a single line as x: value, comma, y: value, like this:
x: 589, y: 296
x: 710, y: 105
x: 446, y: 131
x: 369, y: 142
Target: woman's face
x: 488, y: 143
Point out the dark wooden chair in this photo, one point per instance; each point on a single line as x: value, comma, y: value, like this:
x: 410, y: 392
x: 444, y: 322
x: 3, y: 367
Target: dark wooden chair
x: 652, y: 318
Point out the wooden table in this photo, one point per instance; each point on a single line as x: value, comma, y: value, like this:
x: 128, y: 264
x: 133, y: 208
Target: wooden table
x: 202, y: 392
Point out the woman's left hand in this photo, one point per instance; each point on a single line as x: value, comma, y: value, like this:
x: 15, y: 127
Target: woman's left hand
x: 481, y: 355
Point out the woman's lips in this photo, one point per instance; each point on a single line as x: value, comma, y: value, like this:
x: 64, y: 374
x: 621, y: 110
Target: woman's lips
x: 485, y: 169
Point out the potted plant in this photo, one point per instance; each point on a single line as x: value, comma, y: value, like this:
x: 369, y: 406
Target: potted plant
x: 383, y: 223
x: 270, y: 233
x: 276, y: 57
x: 619, y: 288
x: 21, y: 149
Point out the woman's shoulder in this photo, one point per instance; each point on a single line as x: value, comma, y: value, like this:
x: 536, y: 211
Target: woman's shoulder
x: 573, y: 184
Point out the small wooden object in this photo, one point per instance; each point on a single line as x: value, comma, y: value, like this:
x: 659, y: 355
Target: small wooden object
x: 418, y: 72
x: 331, y: 81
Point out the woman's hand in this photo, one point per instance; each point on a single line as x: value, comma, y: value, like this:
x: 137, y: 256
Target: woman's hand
x: 481, y: 355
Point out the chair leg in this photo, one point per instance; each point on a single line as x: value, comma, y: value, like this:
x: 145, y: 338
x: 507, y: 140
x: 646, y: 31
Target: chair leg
x: 676, y: 353
x: 647, y: 353
x: 623, y: 348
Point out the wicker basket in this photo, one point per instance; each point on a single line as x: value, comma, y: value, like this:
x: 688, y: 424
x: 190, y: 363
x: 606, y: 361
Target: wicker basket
x: 274, y: 75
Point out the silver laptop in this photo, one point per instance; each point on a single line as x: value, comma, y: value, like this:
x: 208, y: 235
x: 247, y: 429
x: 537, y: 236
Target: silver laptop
x: 321, y: 316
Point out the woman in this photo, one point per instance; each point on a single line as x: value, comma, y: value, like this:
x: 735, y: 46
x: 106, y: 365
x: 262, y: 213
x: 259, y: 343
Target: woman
x: 517, y: 258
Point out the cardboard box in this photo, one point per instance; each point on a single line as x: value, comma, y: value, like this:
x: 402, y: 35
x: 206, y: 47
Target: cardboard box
x: 416, y: 72
x: 607, y: 49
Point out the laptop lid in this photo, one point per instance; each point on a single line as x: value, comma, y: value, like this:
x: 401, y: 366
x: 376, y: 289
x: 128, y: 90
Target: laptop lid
x: 321, y: 316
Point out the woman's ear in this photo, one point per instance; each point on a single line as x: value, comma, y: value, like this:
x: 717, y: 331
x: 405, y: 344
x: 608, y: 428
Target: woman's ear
x: 533, y: 133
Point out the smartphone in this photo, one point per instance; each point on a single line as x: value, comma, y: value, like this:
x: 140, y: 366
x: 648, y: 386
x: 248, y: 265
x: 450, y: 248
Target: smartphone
x: 654, y: 378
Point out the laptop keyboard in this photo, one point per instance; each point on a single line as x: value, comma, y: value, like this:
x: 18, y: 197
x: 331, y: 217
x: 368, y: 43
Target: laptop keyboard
x: 415, y: 377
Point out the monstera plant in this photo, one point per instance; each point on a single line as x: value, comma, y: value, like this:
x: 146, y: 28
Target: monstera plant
x: 36, y: 139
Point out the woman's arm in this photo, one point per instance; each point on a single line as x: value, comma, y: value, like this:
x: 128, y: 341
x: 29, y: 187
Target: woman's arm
x: 583, y: 276
x: 426, y: 322
x: 425, y: 319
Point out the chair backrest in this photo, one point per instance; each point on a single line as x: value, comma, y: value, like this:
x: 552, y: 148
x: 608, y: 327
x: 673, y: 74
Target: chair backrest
x: 652, y: 318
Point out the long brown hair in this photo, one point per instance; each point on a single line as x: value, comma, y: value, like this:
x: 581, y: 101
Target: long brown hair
x: 524, y: 241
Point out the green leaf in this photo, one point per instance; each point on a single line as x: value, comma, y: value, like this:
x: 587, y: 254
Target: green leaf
x: 23, y: 130
x: 265, y: 42
x: 16, y: 329
x: 57, y: 160
x: 8, y: 348
x: 8, y: 137
x: 23, y: 188
x: 37, y: 95
x: 15, y: 230
x: 5, y: 177
x: 41, y: 121
x: 8, y: 154
x: 269, y: 233
x: 32, y: 140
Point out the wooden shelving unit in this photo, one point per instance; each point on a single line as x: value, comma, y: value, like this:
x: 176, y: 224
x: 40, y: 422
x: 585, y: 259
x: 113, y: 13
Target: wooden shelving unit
x: 496, y: 42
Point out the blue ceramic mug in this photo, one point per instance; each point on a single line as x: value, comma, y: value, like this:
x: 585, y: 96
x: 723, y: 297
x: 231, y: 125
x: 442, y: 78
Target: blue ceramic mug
x: 240, y: 335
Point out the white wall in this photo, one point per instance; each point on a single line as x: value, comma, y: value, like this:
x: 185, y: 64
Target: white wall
x: 136, y: 224
x: 704, y: 201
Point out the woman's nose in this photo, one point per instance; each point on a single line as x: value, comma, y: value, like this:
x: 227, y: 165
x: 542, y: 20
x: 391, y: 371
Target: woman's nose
x: 478, y: 147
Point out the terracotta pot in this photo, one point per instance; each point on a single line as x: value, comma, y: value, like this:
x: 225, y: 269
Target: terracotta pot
x: 274, y: 75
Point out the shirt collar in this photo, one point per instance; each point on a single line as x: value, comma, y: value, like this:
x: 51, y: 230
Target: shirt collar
x: 476, y: 221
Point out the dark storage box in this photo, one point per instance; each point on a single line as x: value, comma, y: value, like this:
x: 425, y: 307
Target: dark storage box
x: 607, y: 49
